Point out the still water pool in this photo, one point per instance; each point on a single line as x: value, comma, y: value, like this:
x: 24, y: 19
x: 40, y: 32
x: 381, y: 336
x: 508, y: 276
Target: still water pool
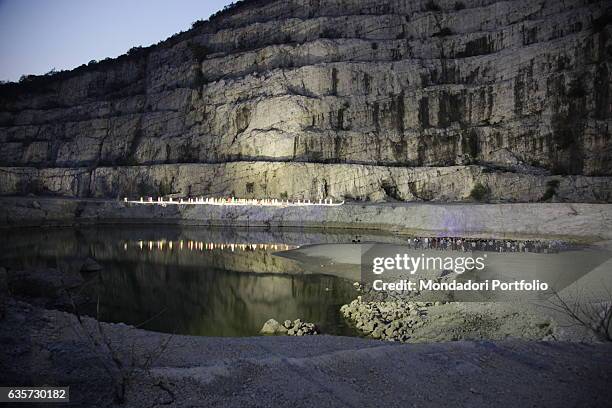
x: 228, y: 282
x: 209, y: 282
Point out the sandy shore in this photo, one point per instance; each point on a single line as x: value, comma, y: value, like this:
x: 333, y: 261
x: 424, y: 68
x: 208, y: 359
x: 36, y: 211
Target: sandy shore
x: 534, y: 317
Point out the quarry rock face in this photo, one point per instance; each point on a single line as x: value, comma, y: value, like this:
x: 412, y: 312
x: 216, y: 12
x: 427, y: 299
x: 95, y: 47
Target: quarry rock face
x: 368, y: 100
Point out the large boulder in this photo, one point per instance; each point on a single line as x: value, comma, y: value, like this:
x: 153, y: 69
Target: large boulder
x: 272, y: 327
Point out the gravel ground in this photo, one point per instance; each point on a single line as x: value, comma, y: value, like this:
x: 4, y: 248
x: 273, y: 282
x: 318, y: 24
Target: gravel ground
x: 40, y: 346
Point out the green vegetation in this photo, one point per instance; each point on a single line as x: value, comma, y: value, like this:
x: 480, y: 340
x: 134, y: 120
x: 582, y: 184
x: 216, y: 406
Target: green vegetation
x: 165, y: 187
x: 198, y: 51
x: 480, y: 192
x: 445, y: 32
x: 551, y: 190
x: 232, y: 7
x: 198, y: 24
x: 42, y: 83
x: 143, y: 189
x: 329, y: 33
x: 284, y: 195
x: 134, y: 51
x: 432, y: 6
x: 199, y: 80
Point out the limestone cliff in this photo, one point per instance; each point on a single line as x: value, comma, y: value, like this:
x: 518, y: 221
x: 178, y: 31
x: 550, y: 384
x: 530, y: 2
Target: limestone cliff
x: 397, y: 99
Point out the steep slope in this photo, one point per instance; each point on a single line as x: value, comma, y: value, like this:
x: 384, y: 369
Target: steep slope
x: 400, y: 99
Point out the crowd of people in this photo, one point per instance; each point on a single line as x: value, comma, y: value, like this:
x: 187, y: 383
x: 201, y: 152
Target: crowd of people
x: 489, y: 245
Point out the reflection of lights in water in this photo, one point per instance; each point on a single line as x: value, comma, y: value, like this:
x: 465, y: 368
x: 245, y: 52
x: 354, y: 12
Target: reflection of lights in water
x: 429, y: 243
x: 232, y: 201
x: 164, y: 245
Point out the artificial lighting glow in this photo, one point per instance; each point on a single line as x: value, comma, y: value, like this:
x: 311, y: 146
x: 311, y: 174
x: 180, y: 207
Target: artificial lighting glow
x: 232, y: 201
x: 164, y: 245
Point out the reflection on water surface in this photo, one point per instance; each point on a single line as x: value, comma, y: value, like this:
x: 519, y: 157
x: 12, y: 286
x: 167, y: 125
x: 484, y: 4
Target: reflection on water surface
x: 220, y: 282
x: 190, y: 280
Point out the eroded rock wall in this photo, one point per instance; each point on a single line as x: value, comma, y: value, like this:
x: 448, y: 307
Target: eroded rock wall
x: 304, y: 181
x: 376, y: 90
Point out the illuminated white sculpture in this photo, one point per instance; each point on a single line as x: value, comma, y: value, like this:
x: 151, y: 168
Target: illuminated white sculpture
x: 232, y: 201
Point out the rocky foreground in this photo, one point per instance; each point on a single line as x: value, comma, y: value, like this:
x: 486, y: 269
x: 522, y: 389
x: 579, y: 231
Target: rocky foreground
x: 427, y: 322
x: 43, y: 346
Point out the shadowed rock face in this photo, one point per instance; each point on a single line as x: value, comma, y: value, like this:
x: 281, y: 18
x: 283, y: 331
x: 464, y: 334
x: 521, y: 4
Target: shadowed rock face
x: 320, y: 98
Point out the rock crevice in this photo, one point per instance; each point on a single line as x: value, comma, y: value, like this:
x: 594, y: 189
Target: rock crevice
x: 337, y: 86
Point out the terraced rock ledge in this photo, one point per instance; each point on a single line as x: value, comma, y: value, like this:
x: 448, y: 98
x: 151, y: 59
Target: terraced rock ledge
x: 402, y: 100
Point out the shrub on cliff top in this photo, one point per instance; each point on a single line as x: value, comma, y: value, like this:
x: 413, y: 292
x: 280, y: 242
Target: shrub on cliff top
x: 197, y: 24
x: 234, y: 7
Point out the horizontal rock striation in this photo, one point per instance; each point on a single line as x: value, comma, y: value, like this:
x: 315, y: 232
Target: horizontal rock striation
x: 403, y: 99
x: 304, y: 181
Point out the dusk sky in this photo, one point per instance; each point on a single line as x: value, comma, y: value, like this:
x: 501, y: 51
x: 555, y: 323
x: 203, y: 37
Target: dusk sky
x: 38, y: 35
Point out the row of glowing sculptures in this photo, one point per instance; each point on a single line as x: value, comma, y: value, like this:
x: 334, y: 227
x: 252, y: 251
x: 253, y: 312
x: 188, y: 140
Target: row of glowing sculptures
x: 231, y: 201
x: 190, y: 245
